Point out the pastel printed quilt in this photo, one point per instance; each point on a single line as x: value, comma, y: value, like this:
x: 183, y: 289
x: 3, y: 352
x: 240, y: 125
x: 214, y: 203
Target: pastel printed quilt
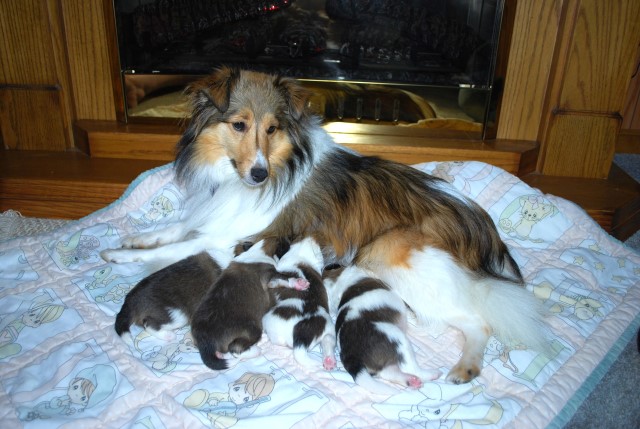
x: 63, y: 366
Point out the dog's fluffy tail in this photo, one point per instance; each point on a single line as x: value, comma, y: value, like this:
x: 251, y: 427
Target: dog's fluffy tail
x: 514, y: 313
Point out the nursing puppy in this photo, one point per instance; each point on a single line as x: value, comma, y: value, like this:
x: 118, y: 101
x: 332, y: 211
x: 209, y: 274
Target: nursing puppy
x: 256, y: 163
x: 371, y: 325
x: 167, y: 299
x: 228, y: 321
x: 300, y: 319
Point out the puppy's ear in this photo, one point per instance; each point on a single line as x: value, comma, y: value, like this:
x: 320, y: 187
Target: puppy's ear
x: 295, y: 94
x: 214, y: 89
x: 282, y: 246
x: 276, y: 246
x: 242, y: 247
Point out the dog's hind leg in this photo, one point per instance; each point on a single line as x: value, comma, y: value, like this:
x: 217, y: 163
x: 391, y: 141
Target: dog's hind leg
x: 476, y: 333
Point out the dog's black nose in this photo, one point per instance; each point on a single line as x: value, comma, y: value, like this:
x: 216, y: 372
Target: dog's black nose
x: 258, y: 174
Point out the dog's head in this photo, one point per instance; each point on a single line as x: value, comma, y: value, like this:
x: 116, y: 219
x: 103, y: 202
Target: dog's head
x: 243, y: 118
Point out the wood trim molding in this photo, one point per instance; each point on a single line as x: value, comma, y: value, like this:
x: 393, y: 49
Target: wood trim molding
x: 111, y: 139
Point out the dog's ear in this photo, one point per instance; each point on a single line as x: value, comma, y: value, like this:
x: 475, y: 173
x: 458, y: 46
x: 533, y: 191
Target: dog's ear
x: 242, y: 247
x: 214, y: 89
x: 296, y: 95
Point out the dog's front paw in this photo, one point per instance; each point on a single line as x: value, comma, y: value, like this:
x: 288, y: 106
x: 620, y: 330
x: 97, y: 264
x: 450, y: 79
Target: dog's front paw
x: 119, y: 256
x: 142, y: 241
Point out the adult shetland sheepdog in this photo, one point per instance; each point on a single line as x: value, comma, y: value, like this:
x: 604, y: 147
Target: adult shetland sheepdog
x: 256, y: 162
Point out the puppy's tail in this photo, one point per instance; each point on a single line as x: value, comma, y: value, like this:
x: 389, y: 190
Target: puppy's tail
x: 208, y: 348
x: 210, y: 356
x: 123, y: 319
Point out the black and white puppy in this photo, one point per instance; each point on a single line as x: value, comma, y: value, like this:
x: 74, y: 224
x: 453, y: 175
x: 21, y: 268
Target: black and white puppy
x: 167, y: 299
x: 300, y: 319
x: 371, y: 324
x: 228, y: 321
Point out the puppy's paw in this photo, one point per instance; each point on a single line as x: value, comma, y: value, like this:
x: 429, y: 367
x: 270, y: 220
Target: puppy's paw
x: 329, y: 363
x: 299, y: 283
x: 163, y: 334
x: 414, y: 382
x: 430, y: 374
x: 296, y: 283
x: 461, y: 373
x: 250, y: 353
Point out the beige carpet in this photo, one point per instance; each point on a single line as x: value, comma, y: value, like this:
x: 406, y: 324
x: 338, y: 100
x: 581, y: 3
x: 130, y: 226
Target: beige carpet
x: 13, y: 224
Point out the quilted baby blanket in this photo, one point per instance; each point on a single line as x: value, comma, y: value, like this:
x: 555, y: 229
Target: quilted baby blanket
x: 63, y: 366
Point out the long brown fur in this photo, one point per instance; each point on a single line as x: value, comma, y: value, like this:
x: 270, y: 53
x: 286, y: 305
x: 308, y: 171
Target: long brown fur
x: 346, y: 212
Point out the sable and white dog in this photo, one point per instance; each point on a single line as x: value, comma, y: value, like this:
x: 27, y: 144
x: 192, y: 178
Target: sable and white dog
x: 300, y: 319
x: 371, y: 328
x: 256, y: 162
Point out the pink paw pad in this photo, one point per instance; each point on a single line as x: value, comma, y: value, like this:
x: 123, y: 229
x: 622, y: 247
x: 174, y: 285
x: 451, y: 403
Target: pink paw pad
x: 299, y: 284
x: 414, y: 382
x: 329, y: 363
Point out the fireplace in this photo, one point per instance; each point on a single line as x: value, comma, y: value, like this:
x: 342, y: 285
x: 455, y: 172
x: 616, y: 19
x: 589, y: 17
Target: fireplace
x: 431, y: 67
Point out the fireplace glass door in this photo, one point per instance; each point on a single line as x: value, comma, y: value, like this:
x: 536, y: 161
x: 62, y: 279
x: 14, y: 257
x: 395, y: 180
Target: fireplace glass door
x: 428, y: 66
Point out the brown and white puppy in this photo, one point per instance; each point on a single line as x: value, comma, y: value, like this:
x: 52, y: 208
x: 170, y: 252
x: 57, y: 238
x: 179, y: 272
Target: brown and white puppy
x: 371, y: 323
x: 166, y: 300
x: 300, y: 319
x: 257, y: 163
x: 228, y: 321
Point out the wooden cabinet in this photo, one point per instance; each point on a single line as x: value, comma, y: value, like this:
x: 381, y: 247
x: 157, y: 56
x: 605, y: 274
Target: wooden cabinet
x: 54, y: 69
x: 629, y: 137
x: 36, y: 110
x: 594, y: 64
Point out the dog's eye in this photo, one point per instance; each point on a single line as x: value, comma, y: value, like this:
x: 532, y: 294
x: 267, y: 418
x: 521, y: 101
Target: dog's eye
x: 238, y: 126
x: 271, y: 129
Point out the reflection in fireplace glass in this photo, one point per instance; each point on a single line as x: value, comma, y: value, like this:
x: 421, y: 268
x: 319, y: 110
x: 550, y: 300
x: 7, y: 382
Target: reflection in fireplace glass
x: 425, y: 64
